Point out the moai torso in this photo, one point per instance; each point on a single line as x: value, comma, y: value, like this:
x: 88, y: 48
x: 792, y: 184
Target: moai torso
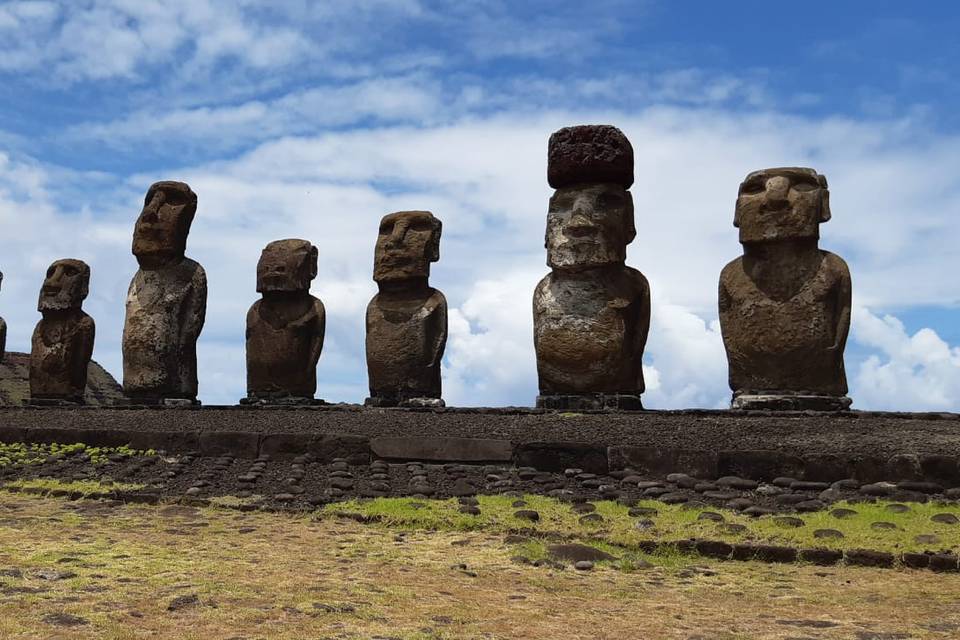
x: 283, y: 348
x: 591, y: 313
x: 589, y: 331
x: 62, y: 343
x: 407, y: 319
x: 405, y: 343
x: 785, y: 304
x: 165, y: 314
x: 166, y: 302
x: 285, y: 329
x: 60, y: 353
x: 786, y: 342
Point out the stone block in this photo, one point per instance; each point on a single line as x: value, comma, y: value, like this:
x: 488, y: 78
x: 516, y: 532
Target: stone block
x: 443, y: 449
x: 557, y: 456
x: 239, y: 444
x: 662, y: 461
x: 759, y: 464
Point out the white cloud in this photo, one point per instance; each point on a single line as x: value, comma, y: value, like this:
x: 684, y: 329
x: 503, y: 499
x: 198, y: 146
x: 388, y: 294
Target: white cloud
x: 910, y: 372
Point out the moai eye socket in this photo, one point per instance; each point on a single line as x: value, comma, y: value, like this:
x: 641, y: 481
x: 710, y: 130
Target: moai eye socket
x: 753, y: 187
x: 386, y: 228
x: 804, y: 186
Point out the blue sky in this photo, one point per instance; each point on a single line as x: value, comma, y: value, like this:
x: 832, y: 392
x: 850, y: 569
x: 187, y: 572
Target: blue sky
x: 308, y: 119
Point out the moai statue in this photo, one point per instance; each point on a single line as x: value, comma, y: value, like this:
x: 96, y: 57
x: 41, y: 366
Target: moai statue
x: 407, y: 319
x: 591, y: 313
x: 166, y: 302
x: 785, y: 304
x: 3, y: 332
x: 63, y: 340
x: 285, y: 327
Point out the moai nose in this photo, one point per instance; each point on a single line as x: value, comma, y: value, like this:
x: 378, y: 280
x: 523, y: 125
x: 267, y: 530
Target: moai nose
x: 777, y: 189
x: 152, y: 208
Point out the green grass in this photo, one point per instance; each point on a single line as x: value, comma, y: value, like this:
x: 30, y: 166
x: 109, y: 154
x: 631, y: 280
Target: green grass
x: 671, y: 523
x: 20, y: 454
x: 44, y: 486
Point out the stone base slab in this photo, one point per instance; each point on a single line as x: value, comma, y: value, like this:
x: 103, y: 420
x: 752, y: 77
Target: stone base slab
x: 786, y: 402
x: 52, y: 402
x: 413, y: 403
x: 280, y: 401
x: 590, y: 402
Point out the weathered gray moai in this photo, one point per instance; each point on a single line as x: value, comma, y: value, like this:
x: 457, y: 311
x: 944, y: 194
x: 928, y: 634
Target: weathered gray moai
x: 785, y: 304
x: 3, y: 332
x: 285, y: 328
x: 166, y: 302
x: 591, y: 313
x: 62, y: 343
x: 407, y: 319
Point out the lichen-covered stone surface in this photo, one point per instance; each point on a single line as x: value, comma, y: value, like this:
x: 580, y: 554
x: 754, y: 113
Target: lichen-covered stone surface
x: 406, y: 321
x: 591, y: 313
x: 285, y: 329
x: 62, y: 342
x: 167, y: 300
x: 785, y: 304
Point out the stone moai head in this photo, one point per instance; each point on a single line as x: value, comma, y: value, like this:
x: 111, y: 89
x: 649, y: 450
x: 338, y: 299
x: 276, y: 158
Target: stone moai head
x: 160, y: 235
x: 407, y: 243
x: 65, y: 287
x: 786, y: 203
x: 590, y: 219
x: 287, y: 266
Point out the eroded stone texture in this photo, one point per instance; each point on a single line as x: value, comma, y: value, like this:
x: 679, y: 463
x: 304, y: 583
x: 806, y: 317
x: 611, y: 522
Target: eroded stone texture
x: 407, y: 319
x: 166, y: 302
x: 785, y: 304
x: 591, y: 313
x: 285, y: 328
x: 3, y: 332
x: 62, y: 343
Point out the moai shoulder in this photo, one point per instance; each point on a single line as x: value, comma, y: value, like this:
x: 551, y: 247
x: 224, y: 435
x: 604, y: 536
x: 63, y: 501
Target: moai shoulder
x: 62, y: 342
x: 406, y: 320
x: 591, y: 312
x: 166, y: 302
x: 785, y: 304
x: 285, y: 328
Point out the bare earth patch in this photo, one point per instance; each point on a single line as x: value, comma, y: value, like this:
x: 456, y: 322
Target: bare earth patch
x: 105, y: 570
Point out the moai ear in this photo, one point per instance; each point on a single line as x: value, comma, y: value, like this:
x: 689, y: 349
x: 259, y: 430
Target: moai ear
x: 314, y: 254
x: 631, y: 225
x: 433, y: 253
x: 736, y: 208
x: 824, y: 204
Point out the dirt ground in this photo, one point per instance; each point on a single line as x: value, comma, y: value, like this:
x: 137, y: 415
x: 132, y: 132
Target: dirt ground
x: 88, y: 569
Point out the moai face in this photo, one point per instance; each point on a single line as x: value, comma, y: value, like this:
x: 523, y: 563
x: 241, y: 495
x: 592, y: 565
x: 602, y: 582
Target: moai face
x: 408, y: 242
x: 781, y: 204
x: 65, y: 286
x: 589, y: 226
x: 286, y: 266
x: 160, y: 235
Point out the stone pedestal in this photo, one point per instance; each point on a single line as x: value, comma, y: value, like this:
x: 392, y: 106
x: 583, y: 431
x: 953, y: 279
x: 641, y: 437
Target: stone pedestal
x: 590, y: 402
x: 279, y: 400
x: 378, y: 401
x: 789, y: 402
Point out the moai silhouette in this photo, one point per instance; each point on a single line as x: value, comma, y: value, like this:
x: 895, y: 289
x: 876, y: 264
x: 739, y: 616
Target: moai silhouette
x: 785, y: 304
x: 62, y: 343
x: 591, y: 313
x: 166, y: 302
x: 3, y: 332
x: 285, y: 328
x: 407, y: 319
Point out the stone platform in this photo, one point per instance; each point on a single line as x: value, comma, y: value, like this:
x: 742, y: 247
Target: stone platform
x: 866, y: 446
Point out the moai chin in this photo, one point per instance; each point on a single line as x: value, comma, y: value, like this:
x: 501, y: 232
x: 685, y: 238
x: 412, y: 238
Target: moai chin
x: 591, y: 313
x: 62, y: 343
x: 3, y: 332
x: 285, y: 328
x: 785, y: 304
x: 166, y: 302
x: 407, y: 319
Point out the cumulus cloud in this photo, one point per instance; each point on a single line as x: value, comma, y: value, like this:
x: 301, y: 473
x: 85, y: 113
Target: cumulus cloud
x: 918, y: 371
